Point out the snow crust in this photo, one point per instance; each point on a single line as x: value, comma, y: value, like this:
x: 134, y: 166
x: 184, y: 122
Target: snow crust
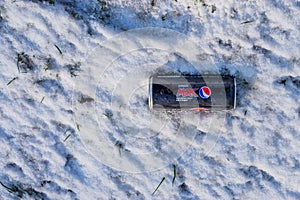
x: 75, y: 123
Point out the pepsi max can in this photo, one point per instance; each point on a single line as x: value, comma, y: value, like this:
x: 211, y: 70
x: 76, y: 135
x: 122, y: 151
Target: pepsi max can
x: 195, y: 92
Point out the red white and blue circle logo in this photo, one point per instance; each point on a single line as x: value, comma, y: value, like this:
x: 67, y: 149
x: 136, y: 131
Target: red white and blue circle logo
x: 204, y: 92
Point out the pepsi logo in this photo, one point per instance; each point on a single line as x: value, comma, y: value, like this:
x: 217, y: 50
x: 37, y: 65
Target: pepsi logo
x: 204, y: 92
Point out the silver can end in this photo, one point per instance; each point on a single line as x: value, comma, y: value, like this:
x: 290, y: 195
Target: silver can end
x: 150, y: 94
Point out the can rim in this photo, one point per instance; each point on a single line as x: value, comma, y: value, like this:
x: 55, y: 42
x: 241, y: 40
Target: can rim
x: 150, y: 98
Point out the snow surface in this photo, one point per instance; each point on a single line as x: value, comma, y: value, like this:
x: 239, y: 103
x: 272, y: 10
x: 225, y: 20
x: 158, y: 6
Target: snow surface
x: 73, y: 101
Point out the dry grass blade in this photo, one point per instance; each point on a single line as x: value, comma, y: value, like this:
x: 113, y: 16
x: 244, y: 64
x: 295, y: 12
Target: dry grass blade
x: 58, y: 49
x: 7, y: 188
x: 67, y: 137
x: 247, y: 22
x: 174, y: 176
x: 162, y: 180
x: 12, y: 80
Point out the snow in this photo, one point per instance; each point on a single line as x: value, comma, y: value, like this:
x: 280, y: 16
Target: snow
x: 76, y: 125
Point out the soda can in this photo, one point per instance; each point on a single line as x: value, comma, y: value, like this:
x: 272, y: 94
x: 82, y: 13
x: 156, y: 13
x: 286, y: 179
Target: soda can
x: 195, y: 92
